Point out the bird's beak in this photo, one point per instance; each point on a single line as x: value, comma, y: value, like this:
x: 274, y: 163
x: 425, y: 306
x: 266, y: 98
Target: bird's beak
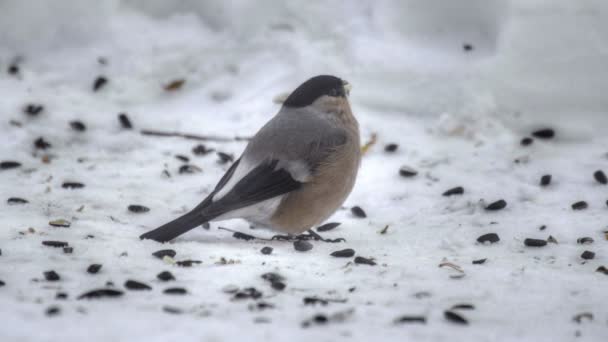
x: 347, y: 88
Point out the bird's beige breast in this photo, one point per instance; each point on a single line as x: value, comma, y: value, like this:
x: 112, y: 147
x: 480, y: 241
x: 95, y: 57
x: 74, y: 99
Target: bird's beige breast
x: 320, y: 197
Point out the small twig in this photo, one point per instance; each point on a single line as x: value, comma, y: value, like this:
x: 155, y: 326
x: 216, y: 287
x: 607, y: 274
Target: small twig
x: 192, y: 136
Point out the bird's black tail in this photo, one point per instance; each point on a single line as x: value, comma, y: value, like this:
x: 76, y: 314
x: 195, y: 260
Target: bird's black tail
x: 177, y: 227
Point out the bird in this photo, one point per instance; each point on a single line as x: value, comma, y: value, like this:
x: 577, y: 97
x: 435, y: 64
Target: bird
x: 294, y: 173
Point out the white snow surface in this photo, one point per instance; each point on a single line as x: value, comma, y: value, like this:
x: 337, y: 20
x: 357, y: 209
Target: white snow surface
x: 457, y: 116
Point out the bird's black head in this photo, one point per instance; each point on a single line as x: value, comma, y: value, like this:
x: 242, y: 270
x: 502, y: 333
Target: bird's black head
x: 314, y: 88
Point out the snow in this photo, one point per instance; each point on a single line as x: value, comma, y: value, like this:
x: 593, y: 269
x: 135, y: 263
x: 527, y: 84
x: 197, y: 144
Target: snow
x: 457, y: 116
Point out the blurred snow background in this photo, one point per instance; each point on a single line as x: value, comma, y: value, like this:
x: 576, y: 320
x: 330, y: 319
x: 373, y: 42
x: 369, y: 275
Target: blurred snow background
x: 456, y: 84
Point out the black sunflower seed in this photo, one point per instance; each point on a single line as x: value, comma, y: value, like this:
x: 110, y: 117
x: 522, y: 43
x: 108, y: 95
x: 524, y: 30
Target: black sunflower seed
x: 410, y: 319
x: 175, y: 291
x: 9, y: 164
x: 16, y: 200
x: 545, y: 133
x: 53, y: 311
x: 580, y: 205
x: 165, y: 276
x: 498, y: 205
x: 588, y: 255
x: 455, y: 317
x: 602, y: 269
x: 188, y: 168
x: 249, y: 292
x: 302, y: 246
x: 68, y: 250
x: 391, y: 147
x: 101, y: 293
x: 33, y: 109
x: 463, y: 307
x: 489, y: 237
x: 535, y: 242
x: 584, y: 240
x: 266, y: 250
x: 13, y: 69
x: 182, y: 158
x: 454, y: 191
x: 56, y: 244
x: 137, y: 208
x: 243, y: 236
x: 545, y: 180
x: 314, y: 301
x: 364, y: 261
x: 201, y: 150
x: 188, y: 263
x: 136, y: 285
x: 164, y: 252
x: 358, y: 212
x: 345, y: 253
x: 42, y: 144
x: 78, y: 126
x: 225, y: 157
x: 407, y: 171
x: 328, y: 226
x: 600, y: 177
x: 479, y: 261
x: 61, y: 295
x: 51, y: 276
x: 94, y: 268
x: 124, y: 121
x: 172, y: 310
x: 526, y: 141
x: 99, y: 82
x: 72, y: 185
x: 2, y: 283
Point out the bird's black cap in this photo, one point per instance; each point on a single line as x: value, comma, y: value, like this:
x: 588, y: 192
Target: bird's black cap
x: 314, y: 88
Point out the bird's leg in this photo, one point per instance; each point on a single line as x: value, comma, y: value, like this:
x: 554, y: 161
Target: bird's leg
x: 315, y: 236
x: 287, y: 237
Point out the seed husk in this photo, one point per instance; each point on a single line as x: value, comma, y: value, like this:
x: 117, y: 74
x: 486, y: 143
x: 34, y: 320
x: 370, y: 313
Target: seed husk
x: 406, y: 171
x: 489, y: 237
x: 535, y: 242
x: 101, y: 293
x: 124, y: 121
x: 455, y: 317
x: 165, y: 276
x: 78, y: 126
x: 51, y: 276
x: 545, y: 180
x: 266, y: 250
x: 9, y: 164
x: 358, y: 212
x: 580, y: 205
x: 364, y: 261
x: 392, y: 147
x: 99, y: 82
x: 136, y: 285
x: 72, y: 185
x: 302, y: 246
x: 16, y: 200
x: 344, y: 253
x: 328, y: 226
x: 454, y: 191
x: 600, y: 177
x: 588, y: 255
x: 94, y: 268
x: 165, y: 252
x: 138, y: 209
x: 60, y: 223
x: 56, y: 244
x: 498, y: 205
x: 545, y: 133
x: 176, y: 291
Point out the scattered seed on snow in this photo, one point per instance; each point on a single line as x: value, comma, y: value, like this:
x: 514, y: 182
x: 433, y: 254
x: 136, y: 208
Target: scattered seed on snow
x: 99, y: 82
x: 546, y: 133
x: 182, y: 158
x: 463, y: 307
x: 580, y: 205
x: 53, y: 311
x: 479, y: 261
x: 391, y: 147
x: 9, y: 164
x: 406, y: 171
x: 60, y: 223
x: 137, y: 208
x: 33, y: 109
x: 172, y: 310
x: 124, y: 121
x: 188, y: 263
x: 302, y: 246
x: 56, y: 244
x: 344, y: 253
x: 165, y: 276
x: 454, y: 191
x: 175, y: 291
x: 94, y: 268
x: 61, y: 295
x: 42, y: 144
x: 545, y: 180
x: 2, y: 283
x: 535, y: 242
x: 68, y: 250
x: 230, y: 289
x: 584, y: 240
x: 51, y: 276
x: 328, y: 226
x: 266, y: 250
x: 600, y: 177
x: 101, y: 293
x: 526, y: 141
x: 225, y: 157
x: 164, y: 252
x: 72, y: 185
x: 78, y: 126
x: 498, y: 205
x: 201, y: 150
x: 364, y: 261
x: 489, y: 237
x: 189, y: 168
x: 455, y: 317
x: 16, y: 200
x: 358, y: 212
x: 551, y: 239
x: 588, y: 255
x: 247, y: 293
x: 579, y: 318
x: 410, y: 319
x: 136, y: 285
x: 602, y: 269
x: 242, y: 236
